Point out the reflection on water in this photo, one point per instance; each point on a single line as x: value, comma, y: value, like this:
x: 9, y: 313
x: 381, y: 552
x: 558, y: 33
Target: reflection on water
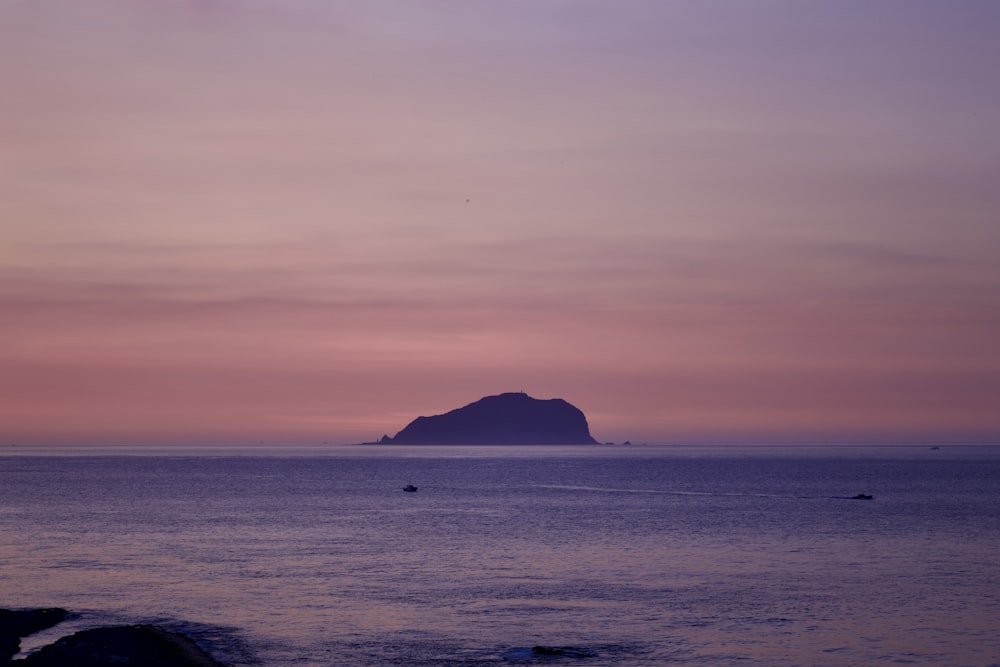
x: 641, y: 556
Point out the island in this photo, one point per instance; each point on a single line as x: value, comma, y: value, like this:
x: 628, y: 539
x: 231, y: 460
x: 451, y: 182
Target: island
x: 506, y: 419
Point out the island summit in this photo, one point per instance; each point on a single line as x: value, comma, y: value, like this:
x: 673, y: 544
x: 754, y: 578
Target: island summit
x: 505, y: 419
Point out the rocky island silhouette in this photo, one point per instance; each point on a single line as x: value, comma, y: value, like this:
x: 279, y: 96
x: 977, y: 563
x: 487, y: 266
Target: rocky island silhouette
x: 505, y: 419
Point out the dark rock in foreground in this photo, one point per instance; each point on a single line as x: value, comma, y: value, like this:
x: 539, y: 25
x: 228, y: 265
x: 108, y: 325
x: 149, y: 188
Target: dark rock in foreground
x: 506, y: 419
x: 17, y: 624
x: 560, y: 652
x: 130, y: 645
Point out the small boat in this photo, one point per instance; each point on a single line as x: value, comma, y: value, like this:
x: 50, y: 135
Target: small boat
x: 862, y: 496
x: 409, y: 488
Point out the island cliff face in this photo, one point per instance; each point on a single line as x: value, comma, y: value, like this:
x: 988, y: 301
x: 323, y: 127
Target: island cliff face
x: 506, y: 419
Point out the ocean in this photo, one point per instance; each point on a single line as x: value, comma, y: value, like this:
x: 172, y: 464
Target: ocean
x: 643, y: 555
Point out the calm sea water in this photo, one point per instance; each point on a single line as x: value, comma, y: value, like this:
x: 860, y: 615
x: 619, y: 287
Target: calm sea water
x: 639, y: 556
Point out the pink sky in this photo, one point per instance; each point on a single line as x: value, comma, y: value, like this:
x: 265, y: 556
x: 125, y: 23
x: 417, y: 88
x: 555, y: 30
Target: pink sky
x: 304, y: 221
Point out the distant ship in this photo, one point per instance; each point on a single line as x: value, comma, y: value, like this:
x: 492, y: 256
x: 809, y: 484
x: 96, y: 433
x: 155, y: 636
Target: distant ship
x: 409, y: 488
x: 860, y: 496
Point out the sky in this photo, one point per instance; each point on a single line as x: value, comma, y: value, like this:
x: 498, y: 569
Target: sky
x: 305, y: 221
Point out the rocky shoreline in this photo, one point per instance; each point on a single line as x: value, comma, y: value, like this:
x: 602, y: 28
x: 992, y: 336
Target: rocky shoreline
x: 137, y: 645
